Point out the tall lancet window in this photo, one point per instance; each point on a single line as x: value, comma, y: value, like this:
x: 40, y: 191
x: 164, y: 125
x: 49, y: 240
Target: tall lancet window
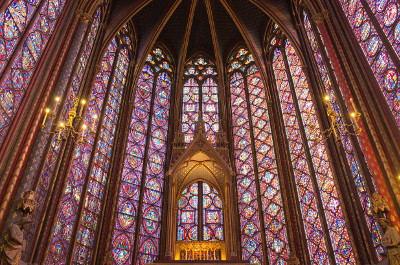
x: 200, y: 93
x: 136, y: 236
x: 25, y: 30
x: 262, y: 217
x: 77, y: 221
x: 349, y: 143
x: 376, y: 25
x: 317, y: 194
x: 200, y: 216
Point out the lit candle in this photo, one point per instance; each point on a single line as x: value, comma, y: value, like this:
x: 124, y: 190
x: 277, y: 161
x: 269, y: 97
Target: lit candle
x: 83, y: 102
x: 46, y: 112
x: 57, y: 99
x: 84, y: 127
x: 94, y: 122
x: 61, y: 129
x: 353, y: 105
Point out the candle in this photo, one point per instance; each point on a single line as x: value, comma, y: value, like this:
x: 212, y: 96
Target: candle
x: 84, y: 126
x: 353, y: 105
x: 60, y: 130
x: 57, y: 99
x: 46, y: 112
x: 94, y: 122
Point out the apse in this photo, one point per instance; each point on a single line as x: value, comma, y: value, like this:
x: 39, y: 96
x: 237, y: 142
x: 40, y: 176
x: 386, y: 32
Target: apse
x: 140, y: 132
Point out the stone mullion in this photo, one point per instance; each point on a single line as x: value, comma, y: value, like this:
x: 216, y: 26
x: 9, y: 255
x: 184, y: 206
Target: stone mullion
x: 200, y: 233
x: 107, y: 221
x: 144, y: 170
x: 90, y: 164
x: 293, y: 216
x: 255, y: 169
x: 168, y: 155
x: 236, y: 219
x: 351, y: 197
x: 307, y: 153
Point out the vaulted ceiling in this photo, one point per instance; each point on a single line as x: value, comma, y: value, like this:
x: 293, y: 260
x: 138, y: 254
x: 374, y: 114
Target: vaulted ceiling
x: 213, y: 27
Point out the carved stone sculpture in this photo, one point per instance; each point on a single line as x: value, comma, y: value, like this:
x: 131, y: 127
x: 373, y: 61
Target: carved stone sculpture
x: 14, y: 244
x: 380, y: 205
x: 391, y: 241
x: 27, y: 204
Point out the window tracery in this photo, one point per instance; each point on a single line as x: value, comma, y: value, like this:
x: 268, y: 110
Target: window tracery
x: 257, y: 175
x: 200, y: 93
x: 200, y: 216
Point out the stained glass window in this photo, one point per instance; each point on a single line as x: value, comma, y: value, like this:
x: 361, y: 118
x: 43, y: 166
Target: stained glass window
x: 367, y: 31
x: 104, y: 102
x: 53, y: 154
x: 200, y: 93
x: 346, y: 140
x: 257, y: 175
x: 17, y: 73
x: 138, y: 217
x: 314, y: 178
x: 200, y: 215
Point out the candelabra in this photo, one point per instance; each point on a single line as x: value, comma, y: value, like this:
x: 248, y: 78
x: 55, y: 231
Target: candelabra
x: 68, y: 129
x: 338, y: 126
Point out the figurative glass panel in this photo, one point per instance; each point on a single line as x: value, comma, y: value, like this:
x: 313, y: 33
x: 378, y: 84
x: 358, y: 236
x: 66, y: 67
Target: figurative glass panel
x: 16, y: 77
x: 13, y: 22
x: 372, y: 44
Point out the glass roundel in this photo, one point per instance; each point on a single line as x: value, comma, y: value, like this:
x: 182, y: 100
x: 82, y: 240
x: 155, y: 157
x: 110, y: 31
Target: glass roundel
x: 200, y: 216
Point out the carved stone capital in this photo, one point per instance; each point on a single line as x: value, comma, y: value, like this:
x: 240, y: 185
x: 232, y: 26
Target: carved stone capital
x: 320, y: 17
x: 83, y: 16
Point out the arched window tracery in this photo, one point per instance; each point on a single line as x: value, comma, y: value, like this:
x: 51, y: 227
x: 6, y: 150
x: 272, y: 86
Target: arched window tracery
x: 25, y: 30
x: 81, y: 202
x: 200, y: 93
x: 138, y: 218
x: 376, y: 25
x: 315, y: 183
x: 348, y: 143
x: 262, y: 217
x: 200, y: 216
